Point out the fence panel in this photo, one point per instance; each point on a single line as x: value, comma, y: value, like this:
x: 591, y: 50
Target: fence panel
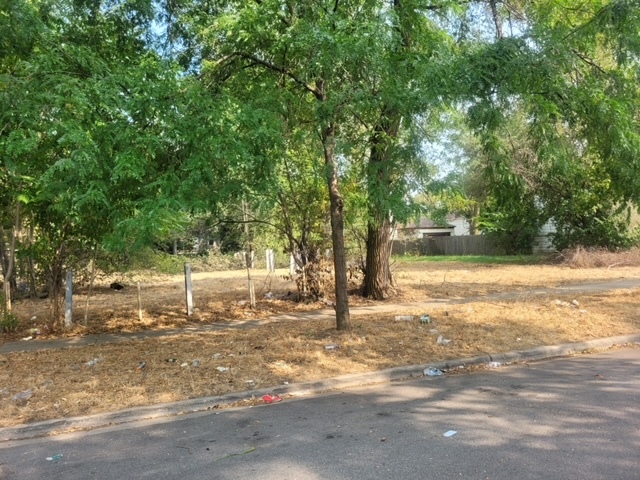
x: 461, y: 245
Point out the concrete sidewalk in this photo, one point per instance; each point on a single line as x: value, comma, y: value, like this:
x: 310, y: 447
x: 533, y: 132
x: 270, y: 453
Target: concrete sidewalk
x: 325, y: 314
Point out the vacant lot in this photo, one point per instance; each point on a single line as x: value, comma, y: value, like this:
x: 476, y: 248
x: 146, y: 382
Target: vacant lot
x: 84, y: 380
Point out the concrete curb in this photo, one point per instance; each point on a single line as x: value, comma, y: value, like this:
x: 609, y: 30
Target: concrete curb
x: 59, y: 426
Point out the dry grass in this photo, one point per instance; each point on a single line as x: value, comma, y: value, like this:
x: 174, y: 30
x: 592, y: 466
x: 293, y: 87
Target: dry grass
x: 599, y: 257
x: 222, y: 296
x: 291, y: 351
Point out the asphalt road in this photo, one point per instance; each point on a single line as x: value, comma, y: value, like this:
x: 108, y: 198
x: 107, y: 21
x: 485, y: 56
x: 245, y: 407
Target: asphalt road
x: 571, y: 418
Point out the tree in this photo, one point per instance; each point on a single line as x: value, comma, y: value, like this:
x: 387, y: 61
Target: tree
x: 85, y: 113
x: 405, y: 87
x: 568, y: 72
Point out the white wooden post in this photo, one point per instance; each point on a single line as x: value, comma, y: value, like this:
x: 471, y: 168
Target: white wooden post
x: 248, y: 258
x: 68, y: 308
x: 271, y: 260
x: 139, y: 302
x: 188, y: 288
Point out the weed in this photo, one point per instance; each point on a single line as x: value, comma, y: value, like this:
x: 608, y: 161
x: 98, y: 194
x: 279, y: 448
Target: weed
x: 8, y: 322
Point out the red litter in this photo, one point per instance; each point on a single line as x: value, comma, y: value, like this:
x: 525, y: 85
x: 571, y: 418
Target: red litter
x: 271, y: 399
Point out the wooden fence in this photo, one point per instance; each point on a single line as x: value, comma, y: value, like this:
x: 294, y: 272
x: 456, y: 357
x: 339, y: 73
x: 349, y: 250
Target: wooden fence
x: 461, y: 245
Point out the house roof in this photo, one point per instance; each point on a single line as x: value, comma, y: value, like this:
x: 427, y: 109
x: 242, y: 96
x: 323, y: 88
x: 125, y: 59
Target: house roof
x: 425, y: 223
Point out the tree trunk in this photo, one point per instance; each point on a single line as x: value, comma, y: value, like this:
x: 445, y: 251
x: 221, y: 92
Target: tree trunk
x: 337, y: 230
x: 377, y: 273
x: 10, y: 257
x: 378, y: 279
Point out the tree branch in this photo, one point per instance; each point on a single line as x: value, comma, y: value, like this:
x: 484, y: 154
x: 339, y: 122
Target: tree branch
x: 284, y: 71
x: 496, y: 18
x: 588, y: 61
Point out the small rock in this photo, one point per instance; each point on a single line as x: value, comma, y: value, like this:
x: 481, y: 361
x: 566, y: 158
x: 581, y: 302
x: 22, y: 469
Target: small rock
x: 242, y: 303
x: 92, y: 363
x: 443, y: 341
x: 195, y: 363
x: 575, y: 303
x: 217, y: 356
x: 222, y: 369
x: 185, y: 364
x: 332, y: 346
x: 22, y: 396
x: 402, y: 318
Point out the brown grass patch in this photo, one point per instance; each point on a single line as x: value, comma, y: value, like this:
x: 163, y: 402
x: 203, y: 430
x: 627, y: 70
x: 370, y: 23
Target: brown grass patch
x: 63, y: 384
x: 222, y: 296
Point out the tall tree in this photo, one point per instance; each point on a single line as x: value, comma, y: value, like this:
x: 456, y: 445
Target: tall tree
x: 85, y: 122
x: 568, y: 70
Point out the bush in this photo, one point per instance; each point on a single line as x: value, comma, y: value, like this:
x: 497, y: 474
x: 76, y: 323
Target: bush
x: 581, y: 257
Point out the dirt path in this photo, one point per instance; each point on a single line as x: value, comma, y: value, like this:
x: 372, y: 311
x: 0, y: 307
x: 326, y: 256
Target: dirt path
x: 325, y: 314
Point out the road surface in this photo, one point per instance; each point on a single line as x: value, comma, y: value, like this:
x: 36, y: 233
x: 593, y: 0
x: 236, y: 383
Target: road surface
x: 570, y: 418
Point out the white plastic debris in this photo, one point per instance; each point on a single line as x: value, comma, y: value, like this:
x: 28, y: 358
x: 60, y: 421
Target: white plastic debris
x: 443, y: 341
x: 404, y: 318
x: 494, y: 364
x: 93, y: 362
x: 222, y: 369
x: 432, y: 372
x: 331, y: 346
x: 449, y: 433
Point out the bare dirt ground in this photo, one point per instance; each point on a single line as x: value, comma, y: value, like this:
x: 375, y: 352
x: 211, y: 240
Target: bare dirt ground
x: 93, y: 379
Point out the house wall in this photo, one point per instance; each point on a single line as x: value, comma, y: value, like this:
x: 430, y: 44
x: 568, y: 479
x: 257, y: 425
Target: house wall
x: 542, y: 242
x: 460, y: 224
